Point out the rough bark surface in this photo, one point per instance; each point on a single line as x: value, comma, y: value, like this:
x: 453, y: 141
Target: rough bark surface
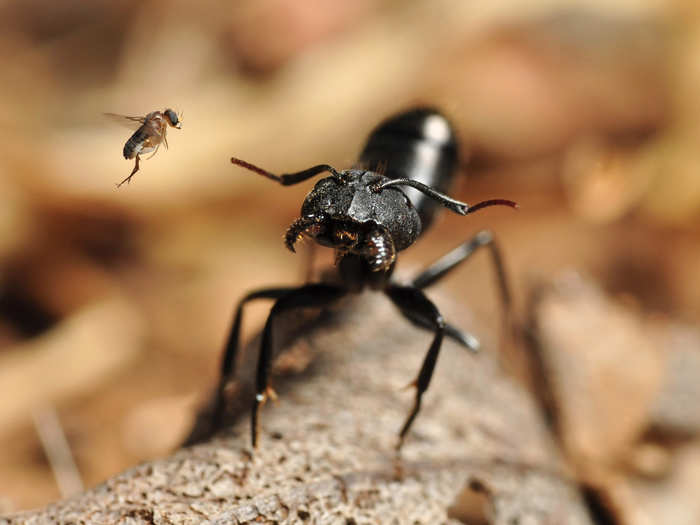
x: 327, y: 448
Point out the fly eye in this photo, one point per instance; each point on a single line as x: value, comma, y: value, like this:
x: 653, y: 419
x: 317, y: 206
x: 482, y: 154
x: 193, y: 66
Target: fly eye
x: 172, y: 117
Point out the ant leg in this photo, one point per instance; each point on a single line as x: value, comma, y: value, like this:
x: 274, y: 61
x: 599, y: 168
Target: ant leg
x: 308, y: 296
x: 446, y: 263
x: 128, y: 179
x: 414, y: 301
x: 465, y: 339
x: 228, y: 363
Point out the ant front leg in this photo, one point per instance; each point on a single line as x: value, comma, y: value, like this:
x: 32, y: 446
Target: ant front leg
x: 308, y: 296
x: 228, y: 363
x: 128, y: 179
x: 414, y: 302
x: 465, y: 339
x: 449, y: 261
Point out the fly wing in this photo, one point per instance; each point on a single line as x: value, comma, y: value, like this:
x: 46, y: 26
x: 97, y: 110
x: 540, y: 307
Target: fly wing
x: 124, y: 120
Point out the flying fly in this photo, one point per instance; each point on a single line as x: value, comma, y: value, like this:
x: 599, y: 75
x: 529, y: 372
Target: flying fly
x: 149, y: 136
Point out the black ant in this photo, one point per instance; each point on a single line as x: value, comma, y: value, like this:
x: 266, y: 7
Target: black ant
x: 367, y: 218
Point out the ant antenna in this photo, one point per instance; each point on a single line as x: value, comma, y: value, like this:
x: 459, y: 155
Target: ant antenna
x: 462, y: 208
x: 492, y: 202
x: 287, y: 179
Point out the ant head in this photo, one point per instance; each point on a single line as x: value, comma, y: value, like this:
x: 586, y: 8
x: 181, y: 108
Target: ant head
x: 358, y: 211
x: 346, y: 213
x: 173, y: 118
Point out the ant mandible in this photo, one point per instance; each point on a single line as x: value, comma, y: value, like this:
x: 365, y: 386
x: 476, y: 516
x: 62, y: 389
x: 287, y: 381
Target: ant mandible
x: 365, y: 216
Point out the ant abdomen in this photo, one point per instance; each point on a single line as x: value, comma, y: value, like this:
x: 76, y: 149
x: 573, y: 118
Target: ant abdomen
x: 418, y: 144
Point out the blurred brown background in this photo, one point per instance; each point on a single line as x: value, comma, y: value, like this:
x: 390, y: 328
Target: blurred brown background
x: 114, y: 304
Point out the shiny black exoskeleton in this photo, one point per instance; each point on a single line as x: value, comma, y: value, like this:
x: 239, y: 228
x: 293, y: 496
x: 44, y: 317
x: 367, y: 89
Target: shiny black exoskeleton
x: 367, y: 215
x: 340, y: 206
x: 419, y: 145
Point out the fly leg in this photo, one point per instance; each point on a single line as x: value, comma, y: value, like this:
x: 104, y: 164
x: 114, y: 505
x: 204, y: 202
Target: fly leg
x: 128, y: 179
x: 154, y: 151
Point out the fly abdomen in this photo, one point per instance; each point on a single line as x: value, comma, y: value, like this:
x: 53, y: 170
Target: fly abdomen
x: 134, y: 145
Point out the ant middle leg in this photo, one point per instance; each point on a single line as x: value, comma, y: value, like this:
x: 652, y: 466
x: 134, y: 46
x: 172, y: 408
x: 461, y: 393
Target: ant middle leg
x: 307, y: 296
x: 461, y: 253
x: 413, y: 301
x: 461, y: 337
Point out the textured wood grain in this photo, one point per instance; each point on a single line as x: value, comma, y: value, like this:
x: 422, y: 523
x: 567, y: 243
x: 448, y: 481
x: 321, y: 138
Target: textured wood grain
x: 327, y: 448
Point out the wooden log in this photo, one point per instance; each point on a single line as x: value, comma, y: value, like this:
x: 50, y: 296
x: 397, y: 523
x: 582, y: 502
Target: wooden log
x: 478, y: 449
